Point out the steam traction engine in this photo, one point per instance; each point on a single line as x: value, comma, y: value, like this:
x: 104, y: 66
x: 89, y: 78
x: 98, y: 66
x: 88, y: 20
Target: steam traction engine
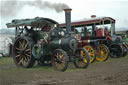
x: 124, y: 41
x: 98, y: 34
x: 41, y: 39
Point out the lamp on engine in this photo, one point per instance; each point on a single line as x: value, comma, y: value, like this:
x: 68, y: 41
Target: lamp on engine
x: 41, y: 39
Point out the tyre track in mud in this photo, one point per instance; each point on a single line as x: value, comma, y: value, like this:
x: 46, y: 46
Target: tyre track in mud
x: 111, y: 72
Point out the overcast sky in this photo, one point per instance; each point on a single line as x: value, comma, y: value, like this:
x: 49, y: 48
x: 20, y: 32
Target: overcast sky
x: 117, y: 9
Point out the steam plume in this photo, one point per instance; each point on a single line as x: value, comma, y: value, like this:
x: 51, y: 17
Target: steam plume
x: 8, y: 8
x: 11, y: 8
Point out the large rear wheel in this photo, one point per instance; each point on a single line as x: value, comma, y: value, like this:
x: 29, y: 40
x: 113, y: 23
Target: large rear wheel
x: 60, y: 60
x: 102, y: 53
x: 81, y: 58
x: 116, y: 50
x: 91, y: 53
x: 22, y: 52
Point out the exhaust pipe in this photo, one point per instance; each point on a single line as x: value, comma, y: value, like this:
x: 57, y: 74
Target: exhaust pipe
x: 68, y: 19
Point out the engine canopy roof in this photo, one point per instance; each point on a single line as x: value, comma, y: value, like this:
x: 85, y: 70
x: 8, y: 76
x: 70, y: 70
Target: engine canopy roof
x: 91, y: 21
x: 35, y: 22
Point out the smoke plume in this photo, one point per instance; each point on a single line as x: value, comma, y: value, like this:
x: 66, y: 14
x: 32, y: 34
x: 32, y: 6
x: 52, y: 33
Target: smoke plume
x: 11, y: 8
x: 8, y: 8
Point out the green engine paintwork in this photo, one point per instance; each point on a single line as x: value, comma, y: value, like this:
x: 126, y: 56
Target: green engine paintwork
x: 37, y: 51
x: 125, y: 40
x: 66, y: 44
x: 48, y: 48
x: 40, y: 31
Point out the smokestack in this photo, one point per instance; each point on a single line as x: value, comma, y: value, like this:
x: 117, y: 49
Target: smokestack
x: 93, y: 16
x: 68, y: 19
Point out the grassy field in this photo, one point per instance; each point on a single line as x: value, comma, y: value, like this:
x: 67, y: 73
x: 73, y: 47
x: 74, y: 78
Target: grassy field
x: 8, y: 64
x: 113, y: 71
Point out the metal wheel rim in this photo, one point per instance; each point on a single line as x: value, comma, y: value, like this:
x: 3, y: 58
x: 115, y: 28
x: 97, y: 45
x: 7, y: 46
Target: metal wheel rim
x: 81, y: 58
x: 102, y: 53
x: 91, y: 53
x: 59, y: 60
x: 117, y: 52
x: 22, y: 52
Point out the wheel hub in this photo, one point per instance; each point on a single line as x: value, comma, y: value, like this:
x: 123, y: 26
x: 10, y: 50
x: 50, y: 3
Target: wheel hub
x: 58, y: 61
x: 22, y: 52
x: 101, y: 53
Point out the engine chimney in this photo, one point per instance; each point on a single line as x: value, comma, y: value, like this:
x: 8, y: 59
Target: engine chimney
x: 68, y: 19
x: 93, y: 16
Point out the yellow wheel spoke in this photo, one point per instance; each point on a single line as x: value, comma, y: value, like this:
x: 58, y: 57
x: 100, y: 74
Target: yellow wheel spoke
x: 91, y: 52
x: 85, y: 60
x: 103, y: 53
x: 81, y: 53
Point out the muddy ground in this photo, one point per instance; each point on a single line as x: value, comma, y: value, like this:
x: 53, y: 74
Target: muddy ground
x: 112, y: 72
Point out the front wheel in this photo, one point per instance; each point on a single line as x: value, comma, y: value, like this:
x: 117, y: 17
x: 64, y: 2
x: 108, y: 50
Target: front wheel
x: 60, y: 60
x: 81, y: 58
x: 102, y: 53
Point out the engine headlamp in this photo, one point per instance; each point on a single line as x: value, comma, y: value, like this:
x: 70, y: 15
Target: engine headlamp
x: 62, y: 33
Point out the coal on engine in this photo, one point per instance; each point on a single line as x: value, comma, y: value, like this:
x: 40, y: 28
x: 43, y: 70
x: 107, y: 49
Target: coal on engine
x: 41, y: 39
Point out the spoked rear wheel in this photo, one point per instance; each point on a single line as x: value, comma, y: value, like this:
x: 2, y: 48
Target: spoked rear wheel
x: 91, y: 53
x: 102, y: 53
x: 22, y: 52
x: 81, y: 58
x: 116, y: 50
x: 60, y: 60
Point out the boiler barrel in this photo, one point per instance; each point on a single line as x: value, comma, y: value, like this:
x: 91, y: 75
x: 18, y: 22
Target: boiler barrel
x: 64, y: 43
